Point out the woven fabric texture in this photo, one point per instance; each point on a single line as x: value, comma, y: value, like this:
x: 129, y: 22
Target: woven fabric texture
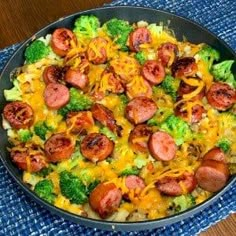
x: 20, y: 215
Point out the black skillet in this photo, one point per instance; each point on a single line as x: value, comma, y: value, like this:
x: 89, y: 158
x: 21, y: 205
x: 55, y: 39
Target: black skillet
x: 182, y: 27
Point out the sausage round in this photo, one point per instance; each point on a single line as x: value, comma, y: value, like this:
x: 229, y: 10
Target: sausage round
x: 153, y: 72
x: 105, y: 199
x: 139, y: 36
x: 215, y: 154
x: 212, y: 175
x: 134, y: 181
x: 221, y: 96
x: 96, y: 147
x: 162, y: 146
x: 20, y: 115
x: 59, y: 147
x: 140, y: 109
x: 52, y: 74
x: 61, y: 41
x: 139, y: 137
x: 77, y: 79
x: 56, y: 95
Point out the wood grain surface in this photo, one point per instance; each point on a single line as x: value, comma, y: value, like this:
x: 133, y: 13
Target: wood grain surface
x: 19, y: 19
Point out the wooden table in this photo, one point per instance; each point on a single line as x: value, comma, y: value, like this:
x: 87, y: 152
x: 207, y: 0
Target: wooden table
x: 19, y: 19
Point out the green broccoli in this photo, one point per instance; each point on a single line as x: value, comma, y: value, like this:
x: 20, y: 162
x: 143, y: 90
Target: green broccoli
x: 222, y: 72
x: 44, y: 189
x: 106, y: 131
x: 170, y: 85
x: 161, y: 115
x: 119, y: 30
x: 24, y: 135
x: 208, y: 55
x: 140, y: 57
x: 13, y: 94
x: 36, y: 51
x: 74, y: 189
x: 45, y: 171
x: 155, y: 29
x: 130, y: 171
x: 41, y: 128
x: 177, y: 128
x: 86, y: 26
x: 182, y: 203
x: 78, y: 102
x: 224, y: 144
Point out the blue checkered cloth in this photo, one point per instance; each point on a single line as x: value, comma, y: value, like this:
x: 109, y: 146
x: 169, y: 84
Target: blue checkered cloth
x: 20, y: 215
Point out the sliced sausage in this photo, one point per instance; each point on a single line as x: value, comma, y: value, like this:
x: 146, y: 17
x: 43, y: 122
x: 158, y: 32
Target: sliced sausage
x: 52, y: 74
x: 79, y: 122
x: 76, y: 78
x: 28, y: 160
x: 166, y: 53
x: 96, y: 147
x: 134, y: 182
x: 20, y: 115
x: 215, y: 154
x: 105, y: 199
x: 97, y: 52
x: 221, y: 96
x: 140, y: 109
x: 139, y: 36
x: 59, y: 147
x: 56, y: 95
x: 185, y: 66
x: 105, y: 117
x: 153, y: 72
x: 212, y: 175
x: 162, y: 146
x: 139, y: 137
x: 61, y: 41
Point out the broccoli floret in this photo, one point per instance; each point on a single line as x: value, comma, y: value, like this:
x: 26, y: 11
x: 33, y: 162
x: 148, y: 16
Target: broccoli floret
x: 124, y: 99
x: 106, y: 131
x: 24, y: 135
x: 119, y: 30
x: 45, y: 171
x: 177, y: 128
x: 224, y: 144
x: 183, y: 202
x: 140, y: 57
x: 155, y: 30
x: 41, y: 128
x: 208, y: 55
x: 130, y: 171
x: 13, y: 94
x: 161, y: 115
x: 74, y: 189
x: 44, y: 189
x: 222, y: 72
x: 78, y: 102
x: 36, y: 51
x: 170, y: 86
x: 86, y: 26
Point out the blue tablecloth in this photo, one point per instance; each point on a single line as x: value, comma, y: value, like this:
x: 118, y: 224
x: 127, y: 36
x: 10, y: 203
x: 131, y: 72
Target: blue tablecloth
x: 20, y: 215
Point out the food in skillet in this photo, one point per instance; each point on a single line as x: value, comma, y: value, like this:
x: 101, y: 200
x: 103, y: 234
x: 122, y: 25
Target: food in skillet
x: 122, y: 122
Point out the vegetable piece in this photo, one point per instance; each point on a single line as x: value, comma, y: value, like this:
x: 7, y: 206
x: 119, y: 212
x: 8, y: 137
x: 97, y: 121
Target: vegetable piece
x: 36, y: 51
x: 119, y: 30
x: 183, y: 202
x: 15, y: 93
x: 222, y: 72
x: 140, y: 56
x: 86, y: 26
x: 24, y: 135
x: 41, y: 128
x: 170, y: 86
x: 78, y: 102
x: 106, y: 131
x: 224, y: 144
x: 155, y: 30
x: 130, y: 171
x: 45, y: 171
x: 177, y: 128
x: 208, y: 55
x: 44, y: 189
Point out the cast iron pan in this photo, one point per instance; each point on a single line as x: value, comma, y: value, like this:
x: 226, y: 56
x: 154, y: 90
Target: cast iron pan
x: 182, y: 27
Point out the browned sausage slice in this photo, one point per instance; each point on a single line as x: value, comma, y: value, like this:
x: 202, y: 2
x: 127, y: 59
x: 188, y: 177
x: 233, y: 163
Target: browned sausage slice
x: 153, y: 72
x: 59, y: 147
x: 52, y: 74
x: 96, y: 147
x: 162, y: 146
x: 215, y: 154
x: 139, y: 36
x: 140, y: 109
x: 221, y: 96
x: 139, y: 137
x: 61, y: 41
x: 133, y: 182
x: 212, y: 175
x: 19, y: 114
x: 77, y: 79
x: 105, y: 199
x: 56, y: 95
